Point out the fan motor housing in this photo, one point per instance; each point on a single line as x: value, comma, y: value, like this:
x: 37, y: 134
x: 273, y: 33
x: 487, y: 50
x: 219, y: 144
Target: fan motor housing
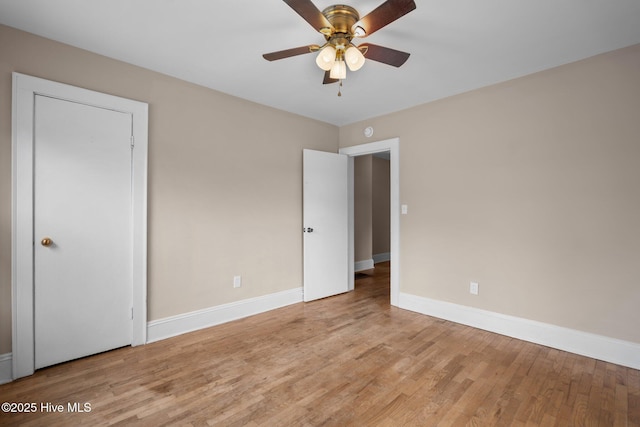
x: 341, y: 17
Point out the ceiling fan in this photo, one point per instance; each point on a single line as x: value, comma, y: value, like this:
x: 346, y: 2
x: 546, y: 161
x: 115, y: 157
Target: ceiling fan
x: 340, y: 24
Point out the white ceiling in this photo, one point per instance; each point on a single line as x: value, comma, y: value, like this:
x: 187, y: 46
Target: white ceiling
x: 455, y: 45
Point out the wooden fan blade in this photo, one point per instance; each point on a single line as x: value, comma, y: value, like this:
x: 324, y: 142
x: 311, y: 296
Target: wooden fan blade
x: 384, y: 54
x: 281, y: 54
x: 383, y: 15
x: 309, y: 13
x: 328, y: 80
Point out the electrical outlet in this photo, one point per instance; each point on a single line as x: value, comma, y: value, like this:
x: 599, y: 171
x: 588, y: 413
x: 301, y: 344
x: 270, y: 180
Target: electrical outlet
x: 237, y: 281
x: 473, y: 288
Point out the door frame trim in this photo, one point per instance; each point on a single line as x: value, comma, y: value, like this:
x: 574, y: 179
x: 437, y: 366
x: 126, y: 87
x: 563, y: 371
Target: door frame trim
x: 393, y: 147
x: 25, y: 88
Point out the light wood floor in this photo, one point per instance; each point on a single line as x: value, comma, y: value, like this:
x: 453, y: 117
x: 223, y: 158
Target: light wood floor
x: 346, y: 360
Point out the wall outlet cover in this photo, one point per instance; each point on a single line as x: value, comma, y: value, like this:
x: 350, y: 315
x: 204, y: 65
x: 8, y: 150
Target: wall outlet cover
x: 474, y: 288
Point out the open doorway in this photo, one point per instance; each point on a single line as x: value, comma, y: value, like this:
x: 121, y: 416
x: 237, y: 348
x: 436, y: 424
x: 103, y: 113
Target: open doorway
x: 372, y: 230
x: 392, y: 146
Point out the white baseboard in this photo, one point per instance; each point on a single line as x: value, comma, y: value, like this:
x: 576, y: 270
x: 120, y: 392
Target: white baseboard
x: 6, y: 369
x: 176, y: 325
x: 366, y: 264
x: 599, y: 347
x: 383, y: 257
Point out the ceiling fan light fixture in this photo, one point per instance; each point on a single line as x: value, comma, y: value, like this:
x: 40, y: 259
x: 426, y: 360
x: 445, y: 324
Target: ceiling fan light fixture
x: 326, y: 58
x: 340, y: 24
x: 338, y: 70
x: 354, y: 58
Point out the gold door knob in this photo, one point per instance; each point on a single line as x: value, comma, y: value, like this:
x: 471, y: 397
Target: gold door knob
x: 46, y: 241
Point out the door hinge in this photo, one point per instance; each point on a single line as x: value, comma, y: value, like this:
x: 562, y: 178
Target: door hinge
x: 131, y: 313
x: 132, y: 141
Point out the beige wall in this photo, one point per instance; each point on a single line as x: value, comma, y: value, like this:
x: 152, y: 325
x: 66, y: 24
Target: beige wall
x: 531, y: 188
x: 362, y: 215
x: 381, y: 206
x: 225, y: 194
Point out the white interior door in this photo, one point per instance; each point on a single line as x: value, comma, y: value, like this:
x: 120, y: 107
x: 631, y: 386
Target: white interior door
x: 325, y: 222
x: 82, y: 203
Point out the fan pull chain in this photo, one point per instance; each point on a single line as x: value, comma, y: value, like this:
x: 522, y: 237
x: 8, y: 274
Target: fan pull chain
x: 339, y: 87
